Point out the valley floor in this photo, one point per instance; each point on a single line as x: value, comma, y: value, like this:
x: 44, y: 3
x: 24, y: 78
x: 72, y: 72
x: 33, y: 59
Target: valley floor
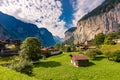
x: 59, y: 68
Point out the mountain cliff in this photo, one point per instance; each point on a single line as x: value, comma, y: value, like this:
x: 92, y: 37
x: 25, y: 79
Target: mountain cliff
x: 17, y: 29
x: 69, y: 35
x: 104, y: 19
x: 46, y: 37
x: 58, y: 39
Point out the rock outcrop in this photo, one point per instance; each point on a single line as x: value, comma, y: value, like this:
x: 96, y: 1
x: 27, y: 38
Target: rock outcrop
x: 69, y: 33
x: 103, y: 23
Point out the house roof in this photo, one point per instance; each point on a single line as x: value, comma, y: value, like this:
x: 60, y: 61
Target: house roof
x: 79, y: 57
x: 44, y: 49
x: 92, y: 47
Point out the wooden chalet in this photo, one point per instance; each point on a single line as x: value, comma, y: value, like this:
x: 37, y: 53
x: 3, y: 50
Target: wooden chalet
x: 79, y: 60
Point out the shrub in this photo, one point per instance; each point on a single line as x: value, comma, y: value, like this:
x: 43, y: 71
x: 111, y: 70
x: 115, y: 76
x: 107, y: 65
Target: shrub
x: 116, y: 56
x: 108, y: 54
x: 91, y: 53
x: 98, y: 52
x: 23, y: 67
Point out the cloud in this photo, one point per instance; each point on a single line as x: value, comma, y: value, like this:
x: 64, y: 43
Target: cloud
x: 43, y: 13
x: 82, y: 7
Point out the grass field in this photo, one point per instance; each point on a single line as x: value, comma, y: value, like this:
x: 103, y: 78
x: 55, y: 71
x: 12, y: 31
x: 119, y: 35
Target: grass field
x: 8, y: 60
x: 107, y: 48
x: 59, y: 68
x: 7, y: 74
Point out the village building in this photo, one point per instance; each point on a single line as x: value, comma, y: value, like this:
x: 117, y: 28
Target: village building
x: 92, y: 47
x: 50, y: 51
x: 116, y: 41
x: 83, y: 47
x: 6, y: 45
x: 79, y: 60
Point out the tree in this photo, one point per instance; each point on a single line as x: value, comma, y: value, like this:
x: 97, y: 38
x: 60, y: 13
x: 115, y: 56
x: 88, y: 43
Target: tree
x: 109, y: 38
x: 58, y: 46
x: 99, y: 39
x: 23, y: 67
x: 30, y: 49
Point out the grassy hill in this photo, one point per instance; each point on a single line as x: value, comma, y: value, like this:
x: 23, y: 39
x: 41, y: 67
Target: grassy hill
x: 111, y: 48
x: 7, y: 74
x: 59, y: 68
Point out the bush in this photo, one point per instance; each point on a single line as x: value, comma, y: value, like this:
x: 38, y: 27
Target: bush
x: 97, y: 51
x: 116, y: 56
x: 91, y: 53
x: 108, y: 54
x: 23, y: 67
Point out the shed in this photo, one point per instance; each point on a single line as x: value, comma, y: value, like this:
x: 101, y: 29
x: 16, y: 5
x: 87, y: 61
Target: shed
x: 79, y: 60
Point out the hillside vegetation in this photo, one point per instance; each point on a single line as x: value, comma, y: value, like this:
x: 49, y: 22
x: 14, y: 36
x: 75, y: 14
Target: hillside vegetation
x: 110, y: 48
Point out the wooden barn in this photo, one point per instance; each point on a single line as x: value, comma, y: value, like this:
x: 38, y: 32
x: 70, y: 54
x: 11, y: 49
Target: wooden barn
x: 79, y: 60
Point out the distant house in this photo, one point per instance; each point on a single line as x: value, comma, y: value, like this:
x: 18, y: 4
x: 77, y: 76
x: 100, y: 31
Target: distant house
x: 83, y: 47
x: 5, y: 47
x: 15, y: 42
x: 79, y: 60
x: 92, y: 47
x: 116, y: 40
x: 50, y: 50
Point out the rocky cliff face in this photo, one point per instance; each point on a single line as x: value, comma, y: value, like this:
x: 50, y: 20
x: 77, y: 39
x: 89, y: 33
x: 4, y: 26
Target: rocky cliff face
x: 104, y: 23
x: 69, y: 36
x: 69, y: 33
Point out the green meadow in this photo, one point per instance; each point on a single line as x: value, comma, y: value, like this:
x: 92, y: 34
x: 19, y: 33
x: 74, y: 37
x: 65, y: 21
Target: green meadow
x: 59, y: 68
x: 7, y: 74
x: 111, y: 48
